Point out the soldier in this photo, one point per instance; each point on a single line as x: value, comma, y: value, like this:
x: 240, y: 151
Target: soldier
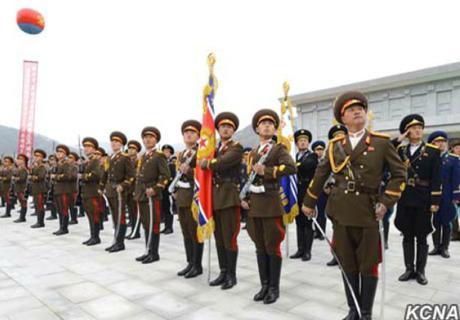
x: 243, y: 179
x: 455, y: 149
x: 225, y: 194
x: 151, y: 179
x: 166, y: 209
x: 186, y: 162
x: 450, y: 173
x: 90, y: 181
x: 307, y: 161
x: 63, y: 179
x: 20, y: 181
x: 421, y: 198
x: 50, y: 199
x: 134, y: 147
x: 319, y: 147
x: 6, y: 176
x: 117, y: 180
x: 357, y: 161
x: 73, y: 161
x: 101, y: 156
x: 38, y: 186
x: 265, y: 217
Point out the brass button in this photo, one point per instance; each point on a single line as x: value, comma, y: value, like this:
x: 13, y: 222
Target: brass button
x: 357, y: 193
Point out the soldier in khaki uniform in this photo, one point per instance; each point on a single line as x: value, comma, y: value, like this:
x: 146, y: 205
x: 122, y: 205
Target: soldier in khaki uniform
x: 6, y: 174
x: 63, y: 178
x: 117, y: 180
x: 134, y: 147
x: 265, y: 217
x: 20, y: 182
x: 90, y: 179
x: 73, y: 160
x: 225, y: 194
x: 186, y: 162
x: 151, y: 178
x: 38, y: 186
x: 357, y: 161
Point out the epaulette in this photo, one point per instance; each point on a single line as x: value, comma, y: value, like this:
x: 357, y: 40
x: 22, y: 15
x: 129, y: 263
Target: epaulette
x: 380, y: 135
x: 235, y: 143
x: 454, y: 155
x: 432, y: 146
x: 159, y: 152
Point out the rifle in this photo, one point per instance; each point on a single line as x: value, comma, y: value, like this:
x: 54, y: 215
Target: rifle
x: 244, y: 192
x: 172, y: 186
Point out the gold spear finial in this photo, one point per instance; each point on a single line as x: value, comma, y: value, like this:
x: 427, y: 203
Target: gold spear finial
x: 211, y: 62
x: 286, y: 88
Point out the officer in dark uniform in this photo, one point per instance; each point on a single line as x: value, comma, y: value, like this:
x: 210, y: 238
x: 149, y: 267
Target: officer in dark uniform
x: 443, y: 218
x: 265, y: 217
x: 134, y: 147
x: 358, y: 161
x: 38, y: 186
x: 151, y: 179
x: 421, y: 198
x: 186, y: 162
x: 90, y: 178
x: 454, y: 145
x: 166, y: 205
x: 225, y: 194
x: 20, y: 181
x: 306, y: 166
x: 117, y: 179
x: 319, y: 148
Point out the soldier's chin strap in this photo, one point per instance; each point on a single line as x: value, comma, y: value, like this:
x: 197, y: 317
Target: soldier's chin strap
x: 350, y: 288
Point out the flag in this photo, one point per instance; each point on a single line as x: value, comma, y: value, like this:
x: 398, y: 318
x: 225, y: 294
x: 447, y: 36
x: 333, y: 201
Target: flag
x: 288, y: 189
x: 202, y: 199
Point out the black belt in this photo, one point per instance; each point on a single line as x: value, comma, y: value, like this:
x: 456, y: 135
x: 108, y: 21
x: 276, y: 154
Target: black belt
x: 352, y: 186
x: 220, y: 180
x: 270, y: 185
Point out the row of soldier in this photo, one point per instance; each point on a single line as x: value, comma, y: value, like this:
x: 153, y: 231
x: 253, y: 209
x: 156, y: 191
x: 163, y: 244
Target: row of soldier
x: 356, y: 180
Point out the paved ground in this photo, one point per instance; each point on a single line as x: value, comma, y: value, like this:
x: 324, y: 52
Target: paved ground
x: 47, y: 277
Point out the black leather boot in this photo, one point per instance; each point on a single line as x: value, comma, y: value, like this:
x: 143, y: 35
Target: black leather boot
x: 274, y: 279
x: 153, y: 250
x: 422, y: 256
x: 169, y: 219
x: 230, y: 278
x: 142, y: 257
x: 436, y: 242
x: 368, y: 289
x: 409, y: 254
x: 60, y: 224
x: 22, y: 216
x: 40, y: 220
x: 446, y: 235
x: 65, y: 224
x: 222, y: 258
x: 7, y: 212
x: 332, y: 263
x: 197, y: 268
x: 73, y: 215
x: 386, y: 230
x: 262, y: 264
x: 309, y: 234
x: 120, y: 240
x: 353, y: 278
x: 189, y: 254
x: 53, y: 215
x: 300, y: 231
x: 95, y: 236
x: 91, y: 231
x: 81, y: 211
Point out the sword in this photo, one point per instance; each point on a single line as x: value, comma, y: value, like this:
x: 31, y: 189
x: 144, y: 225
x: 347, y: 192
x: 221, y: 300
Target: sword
x: 383, y: 270
x: 355, y: 301
x: 117, y: 227
x: 136, y: 227
x: 149, y: 237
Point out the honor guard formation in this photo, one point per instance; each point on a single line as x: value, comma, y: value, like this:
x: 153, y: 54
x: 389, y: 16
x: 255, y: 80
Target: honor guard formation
x: 357, y: 181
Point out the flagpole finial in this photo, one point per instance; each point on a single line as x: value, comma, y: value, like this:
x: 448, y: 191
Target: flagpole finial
x: 211, y: 62
x: 286, y: 88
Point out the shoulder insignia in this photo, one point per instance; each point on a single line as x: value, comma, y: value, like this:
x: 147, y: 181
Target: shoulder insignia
x: 235, y: 143
x: 159, y: 152
x: 380, y: 135
x: 432, y: 146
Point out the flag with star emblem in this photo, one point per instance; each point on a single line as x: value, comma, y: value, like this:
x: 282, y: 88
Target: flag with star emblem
x: 202, y: 200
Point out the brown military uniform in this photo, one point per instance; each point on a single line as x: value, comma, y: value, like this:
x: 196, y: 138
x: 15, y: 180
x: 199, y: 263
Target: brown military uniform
x: 133, y: 209
x: 64, y: 180
x: 5, y: 175
x: 152, y: 173
x: 20, y: 184
x: 38, y: 190
x: 358, y: 173
x: 119, y: 171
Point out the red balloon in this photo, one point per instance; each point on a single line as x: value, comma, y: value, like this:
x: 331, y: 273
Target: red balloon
x: 30, y: 21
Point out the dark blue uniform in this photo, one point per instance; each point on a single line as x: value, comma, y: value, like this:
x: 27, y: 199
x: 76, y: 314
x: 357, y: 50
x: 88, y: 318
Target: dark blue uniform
x: 306, y: 165
x: 450, y: 173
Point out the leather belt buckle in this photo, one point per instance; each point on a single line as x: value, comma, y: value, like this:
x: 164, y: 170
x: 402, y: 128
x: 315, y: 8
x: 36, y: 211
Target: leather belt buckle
x: 351, y: 186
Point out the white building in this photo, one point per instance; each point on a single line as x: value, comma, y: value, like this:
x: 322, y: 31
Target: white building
x: 434, y: 93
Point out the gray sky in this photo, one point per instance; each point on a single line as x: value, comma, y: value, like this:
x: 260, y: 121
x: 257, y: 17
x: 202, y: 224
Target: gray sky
x: 121, y: 65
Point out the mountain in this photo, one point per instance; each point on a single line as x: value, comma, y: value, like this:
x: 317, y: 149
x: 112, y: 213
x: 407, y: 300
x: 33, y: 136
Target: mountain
x: 9, y: 141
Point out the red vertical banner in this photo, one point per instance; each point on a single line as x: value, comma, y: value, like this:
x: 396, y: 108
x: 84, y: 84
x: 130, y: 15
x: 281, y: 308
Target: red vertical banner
x: 29, y: 94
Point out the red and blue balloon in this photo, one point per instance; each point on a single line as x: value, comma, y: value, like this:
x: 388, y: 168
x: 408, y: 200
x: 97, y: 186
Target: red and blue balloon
x: 30, y: 21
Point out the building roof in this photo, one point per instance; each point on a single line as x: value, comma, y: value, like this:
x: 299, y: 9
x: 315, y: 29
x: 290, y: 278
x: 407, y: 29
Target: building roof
x: 442, y: 72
